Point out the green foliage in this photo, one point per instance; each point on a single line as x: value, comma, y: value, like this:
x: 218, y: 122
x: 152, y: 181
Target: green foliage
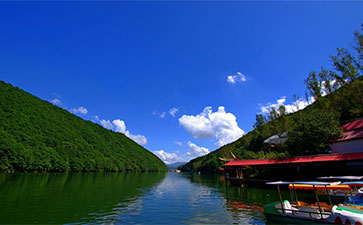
x: 38, y: 136
x: 313, y: 85
x: 310, y: 134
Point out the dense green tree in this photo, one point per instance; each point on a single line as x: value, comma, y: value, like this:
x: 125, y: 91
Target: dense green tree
x: 313, y: 85
x: 311, y: 133
x: 260, y: 121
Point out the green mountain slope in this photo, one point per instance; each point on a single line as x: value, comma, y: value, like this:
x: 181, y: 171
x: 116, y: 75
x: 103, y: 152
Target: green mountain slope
x: 339, y: 99
x: 309, y: 130
x: 38, y: 136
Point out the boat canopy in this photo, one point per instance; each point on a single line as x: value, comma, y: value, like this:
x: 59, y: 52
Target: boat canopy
x: 341, y: 178
x: 279, y: 182
x: 354, y: 183
x: 320, y: 187
x: 303, y: 182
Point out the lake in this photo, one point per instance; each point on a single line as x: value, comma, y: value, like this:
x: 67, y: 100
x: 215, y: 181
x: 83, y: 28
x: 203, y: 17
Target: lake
x: 143, y: 198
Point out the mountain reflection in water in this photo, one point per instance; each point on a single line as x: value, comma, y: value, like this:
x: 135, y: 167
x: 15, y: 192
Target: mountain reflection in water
x: 143, y: 198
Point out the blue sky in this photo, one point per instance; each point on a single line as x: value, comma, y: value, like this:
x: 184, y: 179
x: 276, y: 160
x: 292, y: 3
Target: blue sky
x: 181, y: 77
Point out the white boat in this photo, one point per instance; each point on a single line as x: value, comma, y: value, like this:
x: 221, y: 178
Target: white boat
x: 295, y: 211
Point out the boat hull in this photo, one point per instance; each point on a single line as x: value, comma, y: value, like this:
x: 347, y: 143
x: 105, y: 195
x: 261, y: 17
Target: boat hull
x: 343, y: 214
x: 293, y: 220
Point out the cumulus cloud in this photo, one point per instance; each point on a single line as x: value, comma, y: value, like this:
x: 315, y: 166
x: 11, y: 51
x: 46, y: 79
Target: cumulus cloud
x: 56, y: 101
x: 195, y: 150
x: 178, y: 143
x: 162, y: 115
x: 107, y: 124
x: 120, y: 126
x: 208, y: 124
x: 168, y: 158
x: 140, y: 139
x: 238, y: 77
x: 299, y: 103
x: 80, y: 110
x: 173, y: 111
x: 290, y: 108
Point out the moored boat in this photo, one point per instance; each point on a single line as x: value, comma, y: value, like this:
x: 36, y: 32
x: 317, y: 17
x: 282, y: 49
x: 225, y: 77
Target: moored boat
x: 296, y: 211
x: 338, y: 196
x: 355, y: 200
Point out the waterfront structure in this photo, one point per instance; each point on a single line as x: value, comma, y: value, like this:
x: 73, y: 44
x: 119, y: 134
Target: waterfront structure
x: 346, y: 158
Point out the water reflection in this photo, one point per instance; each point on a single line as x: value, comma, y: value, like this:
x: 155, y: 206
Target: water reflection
x: 68, y: 198
x: 130, y: 198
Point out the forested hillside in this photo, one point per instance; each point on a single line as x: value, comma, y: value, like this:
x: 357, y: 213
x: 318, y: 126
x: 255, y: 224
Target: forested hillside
x: 38, y: 136
x: 338, y: 96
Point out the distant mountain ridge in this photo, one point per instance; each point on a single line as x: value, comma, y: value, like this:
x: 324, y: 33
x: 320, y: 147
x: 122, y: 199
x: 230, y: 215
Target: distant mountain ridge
x: 175, y: 165
x: 38, y: 136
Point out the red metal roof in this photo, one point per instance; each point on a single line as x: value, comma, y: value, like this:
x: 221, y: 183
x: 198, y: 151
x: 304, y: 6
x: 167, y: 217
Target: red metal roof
x: 351, y: 134
x: 299, y: 159
x: 352, y: 130
x: 353, y: 125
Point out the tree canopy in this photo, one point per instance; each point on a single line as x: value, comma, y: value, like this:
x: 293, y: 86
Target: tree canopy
x: 38, y: 136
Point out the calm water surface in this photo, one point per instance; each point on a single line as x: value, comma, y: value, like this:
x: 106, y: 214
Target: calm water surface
x: 148, y: 198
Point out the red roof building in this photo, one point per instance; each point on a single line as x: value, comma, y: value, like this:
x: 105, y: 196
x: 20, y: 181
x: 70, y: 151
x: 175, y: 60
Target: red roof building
x: 346, y: 157
x: 298, y: 159
x: 352, y: 139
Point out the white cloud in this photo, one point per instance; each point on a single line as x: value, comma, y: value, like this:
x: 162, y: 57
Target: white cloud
x: 208, y: 124
x: 162, y: 115
x: 173, y: 111
x: 56, y: 101
x: 198, y: 126
x: 140, y: 139
x: 192, y: 152
x: 168, y: 158
x: 178, y: 143
x: 195, y: 150
x: 120, y: 126
x: 238, y: 77
x: 107, y: 124
x: 81, y: 110
x: 266, y: 108
x: 96, y: 118
x: 298, y: 105
x: 333, y: 84
x: 290, y: 108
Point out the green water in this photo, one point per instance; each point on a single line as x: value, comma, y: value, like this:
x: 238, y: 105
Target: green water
x: 144, y: 198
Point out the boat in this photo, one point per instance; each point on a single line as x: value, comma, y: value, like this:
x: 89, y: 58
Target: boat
x: 339, y: 196
x: 296, y: 211
x: 339, y: 178
x: 355, y: 200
